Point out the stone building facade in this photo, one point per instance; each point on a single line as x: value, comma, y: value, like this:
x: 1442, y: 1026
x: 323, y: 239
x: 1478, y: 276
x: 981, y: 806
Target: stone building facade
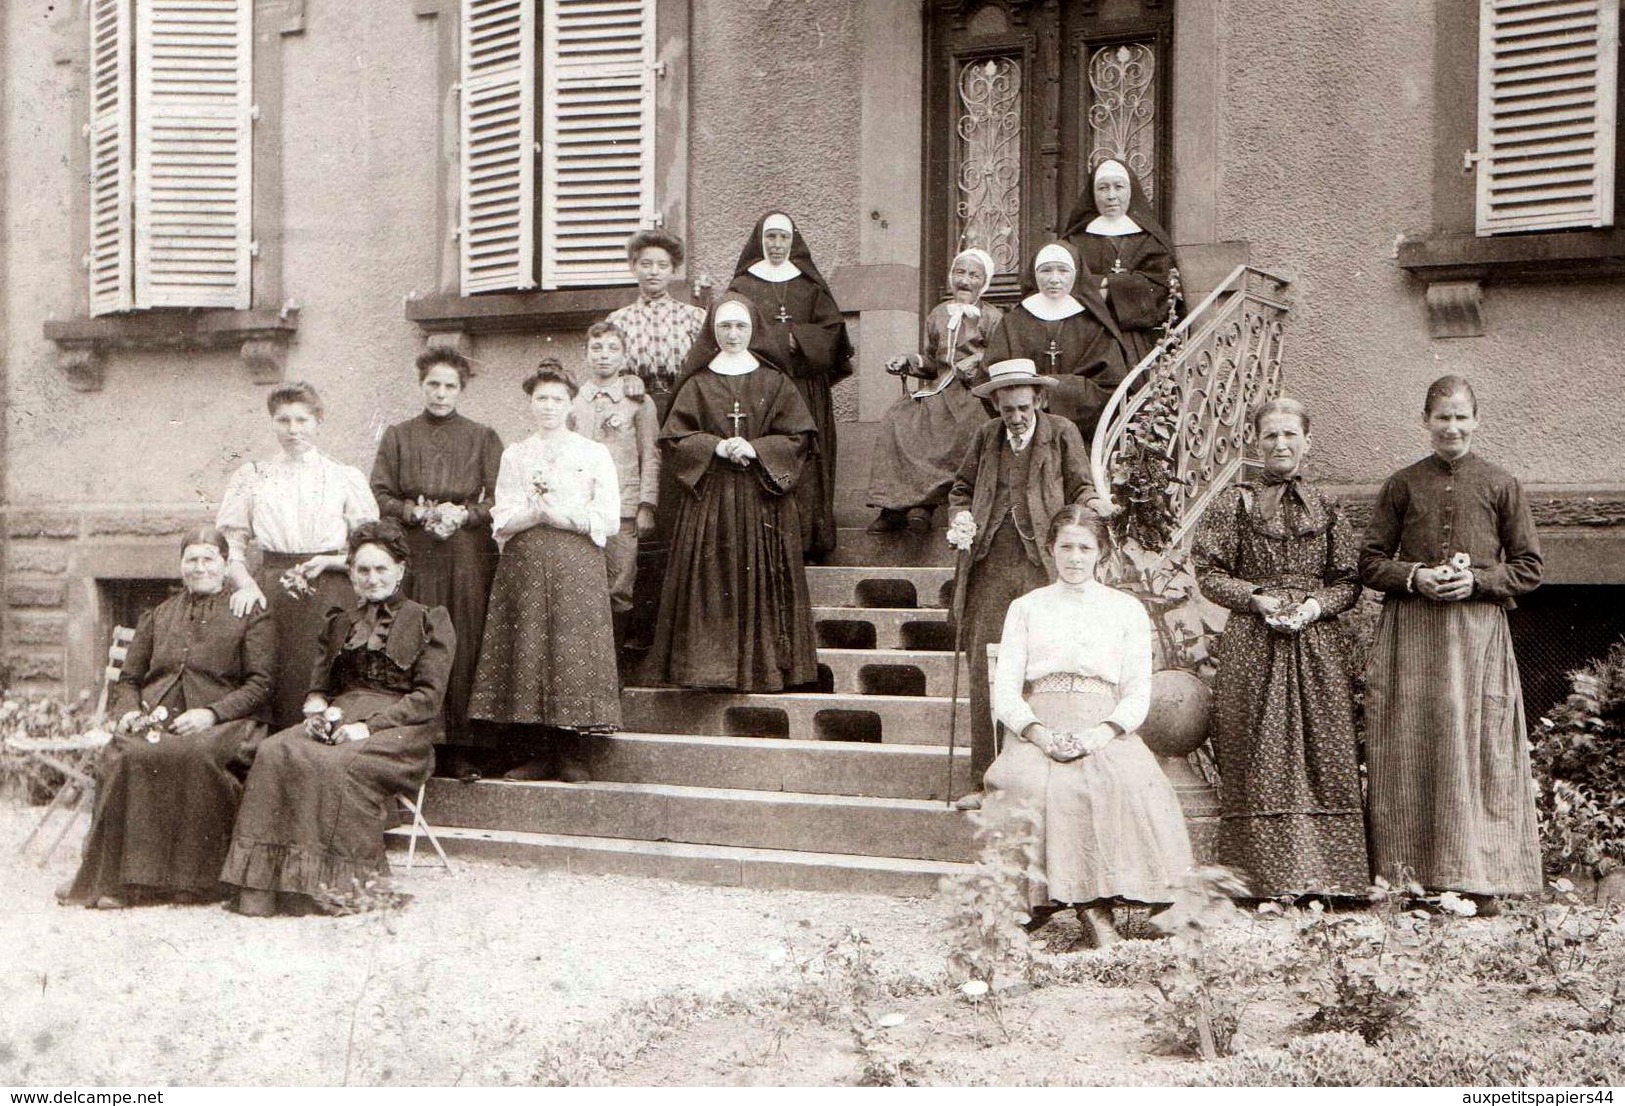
x: 1323, y: 142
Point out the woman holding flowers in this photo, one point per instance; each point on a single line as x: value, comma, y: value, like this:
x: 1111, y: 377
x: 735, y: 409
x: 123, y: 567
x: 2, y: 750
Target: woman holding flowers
x: 1450, y: 544
x: 189, y: 703
x: 1280, y: 556
x: 436, y: 474
x: 316, y: 802
x: 547, y: 664
x: 298, y: 510
x: 1072, y: 687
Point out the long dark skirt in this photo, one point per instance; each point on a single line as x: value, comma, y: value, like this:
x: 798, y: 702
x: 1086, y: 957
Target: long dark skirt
x: 815, y: 488
x: 548, y: 657
x: 299, y: 623
x: 996, y: 581
x: 314, y: 815
x: 455, y: 574
x: 735, y: 611
x: 164, y: 814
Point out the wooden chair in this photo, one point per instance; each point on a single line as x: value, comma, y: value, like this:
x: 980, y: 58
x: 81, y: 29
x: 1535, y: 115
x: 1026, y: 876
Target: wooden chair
x: 44, y: 756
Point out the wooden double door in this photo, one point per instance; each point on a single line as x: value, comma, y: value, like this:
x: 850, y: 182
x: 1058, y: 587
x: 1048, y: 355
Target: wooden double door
x: 1023, y: 99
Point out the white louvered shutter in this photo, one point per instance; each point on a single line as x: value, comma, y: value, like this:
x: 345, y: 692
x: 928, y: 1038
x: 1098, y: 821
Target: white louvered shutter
x: 598, y: 76
x: 194, y: 139
x: 498, y: 186
x: 111, y: 153
x: 1548, y: 73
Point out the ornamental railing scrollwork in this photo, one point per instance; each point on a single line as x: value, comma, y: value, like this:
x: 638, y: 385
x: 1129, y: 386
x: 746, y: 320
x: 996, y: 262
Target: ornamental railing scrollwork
x: 1175, y: 432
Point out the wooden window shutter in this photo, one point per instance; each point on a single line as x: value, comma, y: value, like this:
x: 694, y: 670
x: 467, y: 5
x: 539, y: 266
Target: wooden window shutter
x: 111, y: 227
x: 598, y: 74
x: 194, y: 139
x: 1548, y: 73
x: 498, y: 185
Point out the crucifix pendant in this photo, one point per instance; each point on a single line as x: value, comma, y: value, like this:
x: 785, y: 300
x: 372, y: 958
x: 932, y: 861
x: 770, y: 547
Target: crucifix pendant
x: 1117, y: 265
x: 783, y: 316
x: 1053, y: 353
x: 737, y: 416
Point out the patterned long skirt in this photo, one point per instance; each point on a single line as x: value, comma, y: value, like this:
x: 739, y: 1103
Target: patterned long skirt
x: 455, y: 574
x: 1109, y: 823
x: 164, y: 814
x: 548, y: 658
x: 314, y: 815
x: 1451, y: 800
x: 299, y: 624
x: 1289, y: 776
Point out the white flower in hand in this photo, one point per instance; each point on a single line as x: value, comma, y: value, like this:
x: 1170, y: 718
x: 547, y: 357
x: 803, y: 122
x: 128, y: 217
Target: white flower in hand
x: 962, y: 531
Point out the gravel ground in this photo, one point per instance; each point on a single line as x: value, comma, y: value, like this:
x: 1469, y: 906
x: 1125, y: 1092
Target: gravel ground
x: 465, y: 986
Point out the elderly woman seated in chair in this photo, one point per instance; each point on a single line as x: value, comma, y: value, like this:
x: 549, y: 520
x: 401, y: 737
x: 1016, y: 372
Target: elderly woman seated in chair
x: 317, y: 802
x: 195, y: 688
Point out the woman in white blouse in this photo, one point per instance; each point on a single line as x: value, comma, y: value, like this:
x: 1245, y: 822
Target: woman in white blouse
x: 1073, y: 684
x: 546, y: 671
x: 298, y: 510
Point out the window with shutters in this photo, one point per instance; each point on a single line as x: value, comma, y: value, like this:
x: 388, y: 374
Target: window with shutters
x: 1526, y: 117
x: 1547, y: 87
x: 171, y: 142
x: 558, y: 141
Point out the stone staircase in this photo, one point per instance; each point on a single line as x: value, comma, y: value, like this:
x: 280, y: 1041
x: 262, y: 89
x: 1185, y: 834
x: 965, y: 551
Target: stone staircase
x: 839, y: 789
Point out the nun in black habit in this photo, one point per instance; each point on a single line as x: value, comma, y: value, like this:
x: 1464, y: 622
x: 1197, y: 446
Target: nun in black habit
x: 734, y: 610
x: 804, y: 334
x: 1118, y: 237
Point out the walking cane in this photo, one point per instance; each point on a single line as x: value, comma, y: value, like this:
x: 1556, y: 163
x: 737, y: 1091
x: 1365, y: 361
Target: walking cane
x: 958, y: 613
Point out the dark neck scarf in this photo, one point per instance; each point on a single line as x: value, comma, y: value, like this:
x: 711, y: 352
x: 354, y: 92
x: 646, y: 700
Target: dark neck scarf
x: 370, y: 630
x: 1270, y: 495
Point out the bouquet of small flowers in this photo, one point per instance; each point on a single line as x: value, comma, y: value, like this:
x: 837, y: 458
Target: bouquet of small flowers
x: 614, y: 421
x: 1065, y: 746
x: 150, y: 723
x: 295, y: 584
x: 324, y: 727
x: 441, y: 519
x: 1456, y: 565
x: 1288, y: 617
x: 962, y: 531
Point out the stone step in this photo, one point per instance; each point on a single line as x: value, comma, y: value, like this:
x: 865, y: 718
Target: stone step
x: 803, y: 716
x: 795, y: 821
x: 822, y: 767
x: 880, y: 586
x: 892, y: 672
x: 719, y: 865
x: 856, y: 546
x: 882, y: 628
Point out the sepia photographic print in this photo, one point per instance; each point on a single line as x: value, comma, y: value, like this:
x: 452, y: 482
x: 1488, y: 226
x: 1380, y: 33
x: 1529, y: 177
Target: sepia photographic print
x: 811, y: 543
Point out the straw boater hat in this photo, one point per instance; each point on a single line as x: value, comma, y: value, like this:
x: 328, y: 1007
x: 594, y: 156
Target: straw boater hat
x: 1008, y: 374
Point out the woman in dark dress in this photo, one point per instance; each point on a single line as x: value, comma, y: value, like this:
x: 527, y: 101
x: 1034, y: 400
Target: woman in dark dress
x: 437, y: 474
x: 168, y: 797
x: 1065, y: 329
x: 735, y: 612
x: 1120, y: 241
x: 1279, y: 554
x: 1451, y: 544
x: 801, y: 331
x: 317, y: 801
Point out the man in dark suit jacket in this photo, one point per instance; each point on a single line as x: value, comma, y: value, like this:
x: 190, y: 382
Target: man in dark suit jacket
x: 1021, y: 468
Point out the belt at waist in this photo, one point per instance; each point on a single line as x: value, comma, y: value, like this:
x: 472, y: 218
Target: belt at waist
x: 288, y: 560
x: 1074, y: 682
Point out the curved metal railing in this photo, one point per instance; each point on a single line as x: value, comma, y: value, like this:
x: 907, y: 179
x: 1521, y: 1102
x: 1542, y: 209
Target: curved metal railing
x: 1222, y: 360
